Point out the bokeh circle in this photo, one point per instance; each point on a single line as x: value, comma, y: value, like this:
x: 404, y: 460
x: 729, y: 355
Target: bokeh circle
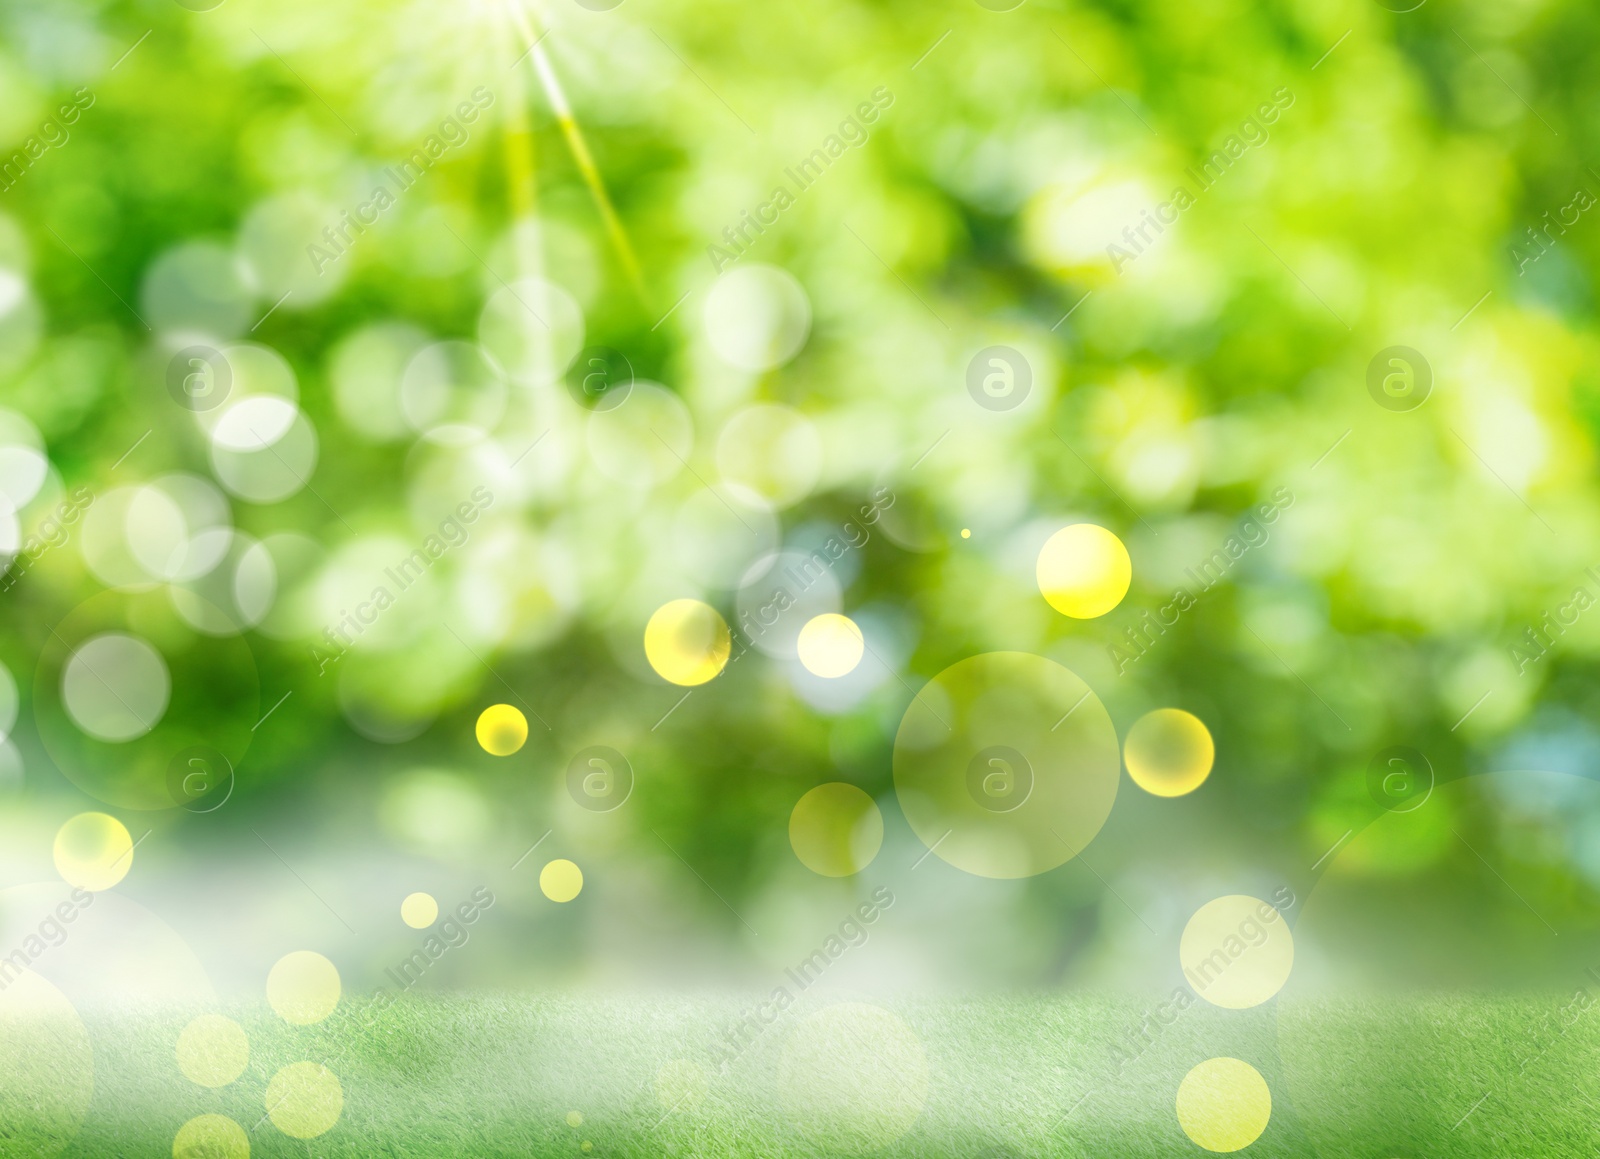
x: 1043, y: 712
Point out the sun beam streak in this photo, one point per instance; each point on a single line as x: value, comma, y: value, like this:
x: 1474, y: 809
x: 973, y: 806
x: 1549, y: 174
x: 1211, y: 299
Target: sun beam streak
x: 579, y: 147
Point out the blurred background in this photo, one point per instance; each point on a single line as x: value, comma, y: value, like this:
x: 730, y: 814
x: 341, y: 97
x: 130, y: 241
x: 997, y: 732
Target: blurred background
x: 537, y: 318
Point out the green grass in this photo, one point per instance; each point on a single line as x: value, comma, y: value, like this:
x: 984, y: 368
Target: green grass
x: 1017, y: 1076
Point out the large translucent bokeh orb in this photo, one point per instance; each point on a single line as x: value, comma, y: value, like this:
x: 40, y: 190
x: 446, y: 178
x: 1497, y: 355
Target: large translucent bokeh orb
x: 687, y: 642
x: 1083, y: 571
x: 93, y: 851
x: 836, y: 830
x: 1224, y: 1104
x: 644, y: 441
x: 451, y: 391
x: 269, y: 472
x: 213, y: 1050
x: 831, y: 645
x: 303, y: 987
x: 113, y: 712
x: 304, y: 1100
x: 365, y: 370
x: 115, y: 686
x: 771, y: 450
x: 719, y: 531
x: 1006, y: 764
x: 23, y: 462
x: 197, y: 288
x: 254, y: 422
x: 274, y: 241
x: 757, y: 317
x: 1236, y: 951
x: 532, y: 328
x: 854, y: 1078
x: 211, y: 1137
x: 1169, y: 752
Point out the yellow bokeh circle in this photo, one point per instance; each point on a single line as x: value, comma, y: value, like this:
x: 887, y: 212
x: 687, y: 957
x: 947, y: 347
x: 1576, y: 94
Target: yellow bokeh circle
x: 687, y: 642
x: 1083, y: 571
x: 502, y: 730
x: 213, y: 1050
x: 304, y: 1100
x: 561, y: 880
x: 303, y: 987
x: 1169, y: 752
x: 831, y: 645
x: 1224, y: 1104
x: 1236, y: 951
x: 211, y: 1137
x: 836, y: 830
x: 574, y: 1118
x: 93, y: 851
x: 419, y: 910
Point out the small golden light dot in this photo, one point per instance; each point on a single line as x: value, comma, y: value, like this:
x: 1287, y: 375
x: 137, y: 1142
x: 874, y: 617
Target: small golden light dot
x: 966, y: 533
x: 574, y: 1118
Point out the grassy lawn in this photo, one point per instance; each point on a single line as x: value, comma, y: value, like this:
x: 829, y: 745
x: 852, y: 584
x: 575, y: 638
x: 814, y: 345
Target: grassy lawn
x: 995, y: 1077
